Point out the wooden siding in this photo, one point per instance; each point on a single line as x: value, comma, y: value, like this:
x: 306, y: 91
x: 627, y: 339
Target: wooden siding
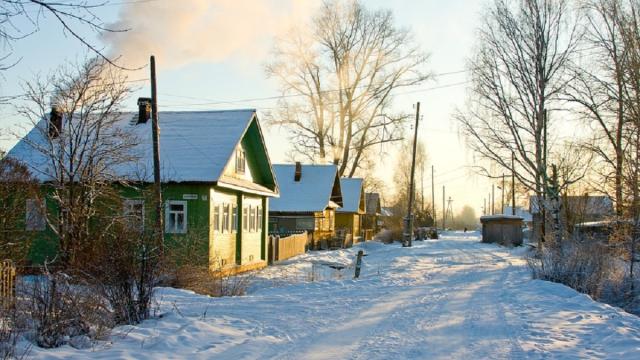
x: 349, y: 222
x: 251, y: 243
x: 222, y: 243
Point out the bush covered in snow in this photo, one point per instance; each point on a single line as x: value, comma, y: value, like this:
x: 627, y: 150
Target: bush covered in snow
x: 590, y: 267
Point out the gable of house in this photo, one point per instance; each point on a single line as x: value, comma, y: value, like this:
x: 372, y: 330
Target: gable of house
x: 316, y: 189
x: 373, y: 204
x: 353, y: 196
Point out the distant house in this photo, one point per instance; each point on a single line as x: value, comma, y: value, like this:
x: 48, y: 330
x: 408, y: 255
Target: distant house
x: 573, y: 210
x: 349, y: 216
x: 526, y: 216
x: 216, y: 182
x: 371, y: 220
x: 309, y: 197
x: 386, y: 213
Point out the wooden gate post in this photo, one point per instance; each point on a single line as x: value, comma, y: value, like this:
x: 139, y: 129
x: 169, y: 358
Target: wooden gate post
x: 358, y: 264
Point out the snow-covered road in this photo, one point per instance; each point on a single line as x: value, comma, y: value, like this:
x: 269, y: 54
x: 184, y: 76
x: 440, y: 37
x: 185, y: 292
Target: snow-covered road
x: 448, y: 298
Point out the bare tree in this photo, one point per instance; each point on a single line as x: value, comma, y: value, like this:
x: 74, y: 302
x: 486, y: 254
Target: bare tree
x: 631, y: 37
x: 401, y: 179
x: 599, y: 89
x: 338, y: 79
x: 18, y: 190
x: 81, y: 145
x: 518, y: 71
x: 21, y: 18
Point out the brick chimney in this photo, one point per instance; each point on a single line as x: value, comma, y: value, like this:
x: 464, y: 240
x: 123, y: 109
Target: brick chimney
x: 298, y: 174
x: 55, y: 121
x: 144, y: 110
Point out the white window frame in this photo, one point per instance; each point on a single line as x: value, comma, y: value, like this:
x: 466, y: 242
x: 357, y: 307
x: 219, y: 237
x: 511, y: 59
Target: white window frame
x: 35, y: 219
x: 258, y: 218
x: 234, y: 217
x: 226, y: 218
x: 245, y: 218
x: 252, y: 218
x: 168, y: 213
x: 128, y: 205
x: 216, y: 217
x: 241, y: 160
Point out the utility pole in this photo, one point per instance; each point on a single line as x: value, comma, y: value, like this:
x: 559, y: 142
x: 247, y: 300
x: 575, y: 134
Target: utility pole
x: 450, y: 209
x: 444, y: 211
x: 409, y: 221
x: 484, y: 206
x: 159, y: 230
x: 513, y: 184
x: 422, y: 186
x: 502, y: 204
x: 493, y: 199
x: 433, y: 200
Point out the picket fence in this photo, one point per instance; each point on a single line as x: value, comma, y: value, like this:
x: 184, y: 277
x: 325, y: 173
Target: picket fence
x: 7, y: 283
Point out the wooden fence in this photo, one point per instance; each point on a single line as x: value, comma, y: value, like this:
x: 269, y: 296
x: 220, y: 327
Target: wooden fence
x: 282, y: 248
x: 7, y: 283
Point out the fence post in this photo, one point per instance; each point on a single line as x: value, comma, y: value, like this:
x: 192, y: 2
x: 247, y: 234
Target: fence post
x: 358, y: 264
x: 7, y: 283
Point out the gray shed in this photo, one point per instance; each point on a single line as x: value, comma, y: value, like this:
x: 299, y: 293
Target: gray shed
x: 505, y: 230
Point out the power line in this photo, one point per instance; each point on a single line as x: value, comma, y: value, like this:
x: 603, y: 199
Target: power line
x: 235, y: 102
x: 25, y: 95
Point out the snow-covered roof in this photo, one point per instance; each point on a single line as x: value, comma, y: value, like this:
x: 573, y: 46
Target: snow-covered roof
x: 524, y: 214
x: 585, y: 204
x: 195, y: 146
x: 313, y: 192
x: 351, y: 195
x: 386, y: 211
x: 499, y: 217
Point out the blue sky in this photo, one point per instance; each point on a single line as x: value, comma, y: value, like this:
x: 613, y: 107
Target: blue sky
x: 444, y: 29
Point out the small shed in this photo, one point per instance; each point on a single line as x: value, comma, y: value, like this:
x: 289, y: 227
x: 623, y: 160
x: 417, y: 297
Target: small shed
x: 505, y: 230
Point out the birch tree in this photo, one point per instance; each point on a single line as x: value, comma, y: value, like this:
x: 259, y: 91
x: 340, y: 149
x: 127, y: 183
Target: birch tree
x: 599, y: 90
x: 338, y: 79
x: 518, y: 71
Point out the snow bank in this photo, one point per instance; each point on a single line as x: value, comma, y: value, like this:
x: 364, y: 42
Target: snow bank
x: 448, y: 298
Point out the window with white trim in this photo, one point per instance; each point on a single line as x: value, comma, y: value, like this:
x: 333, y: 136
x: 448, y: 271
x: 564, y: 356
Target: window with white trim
x: 252, y: 218
x: 35, y: 218
x: 176, y: 217
x: 240, y: 161
x: 245, y: 218
x: 134, y: 213
x: 234, y: 217
x: 258, y: 219
x: 226, y: 217
x: 216, y: 217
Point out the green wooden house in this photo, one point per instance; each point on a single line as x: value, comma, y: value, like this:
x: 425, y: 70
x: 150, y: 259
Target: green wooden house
x: 216, y: 182
x: 349, y: 216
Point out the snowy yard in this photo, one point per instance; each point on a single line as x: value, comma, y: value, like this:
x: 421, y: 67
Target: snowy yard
x: 448, y: 298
